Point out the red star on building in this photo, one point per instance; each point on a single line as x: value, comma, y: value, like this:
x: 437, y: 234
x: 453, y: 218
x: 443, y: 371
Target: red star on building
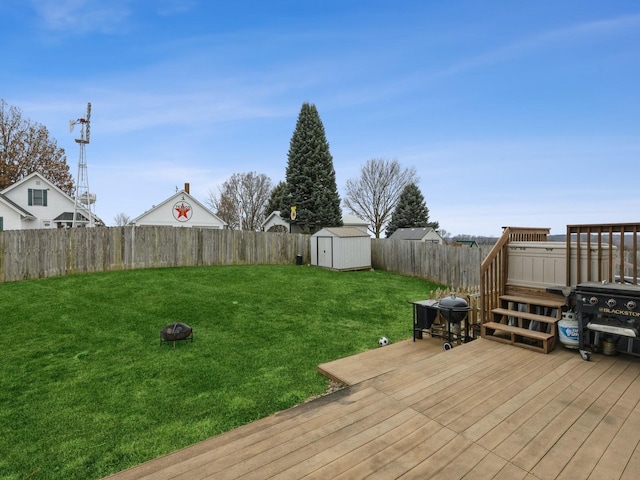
x: 182, y: 210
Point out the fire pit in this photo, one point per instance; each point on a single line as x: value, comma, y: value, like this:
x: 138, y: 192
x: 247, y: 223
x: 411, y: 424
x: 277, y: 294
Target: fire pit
x: 176, y: 331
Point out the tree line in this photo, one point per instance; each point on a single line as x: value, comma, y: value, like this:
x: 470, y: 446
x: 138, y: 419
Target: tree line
x: 385, y: 194
x: 26, y: 147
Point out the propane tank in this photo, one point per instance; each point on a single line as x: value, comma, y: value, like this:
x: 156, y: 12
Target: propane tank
x: 568, y: 330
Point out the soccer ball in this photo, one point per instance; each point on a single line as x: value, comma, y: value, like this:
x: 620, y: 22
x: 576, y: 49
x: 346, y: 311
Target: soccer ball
x: 383, y: 341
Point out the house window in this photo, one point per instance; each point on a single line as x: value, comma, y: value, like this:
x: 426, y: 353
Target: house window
x: 37, y: 197
x: 1, y: 224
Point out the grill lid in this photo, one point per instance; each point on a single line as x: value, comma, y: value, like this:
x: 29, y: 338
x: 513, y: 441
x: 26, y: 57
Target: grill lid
x: 453, y: 308
x: 608, y: 289
x: 453, y: 302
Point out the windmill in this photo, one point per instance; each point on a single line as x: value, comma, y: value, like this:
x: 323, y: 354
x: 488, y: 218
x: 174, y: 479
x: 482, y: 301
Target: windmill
x: 84, y: 200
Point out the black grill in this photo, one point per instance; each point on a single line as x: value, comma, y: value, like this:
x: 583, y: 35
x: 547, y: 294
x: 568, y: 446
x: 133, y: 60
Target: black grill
x: 608, y: 313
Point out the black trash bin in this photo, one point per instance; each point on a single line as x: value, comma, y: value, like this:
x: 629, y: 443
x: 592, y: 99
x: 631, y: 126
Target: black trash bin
x: 299, y: 259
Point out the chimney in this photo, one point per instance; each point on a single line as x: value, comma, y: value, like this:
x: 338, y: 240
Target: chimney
x: 186, y: 187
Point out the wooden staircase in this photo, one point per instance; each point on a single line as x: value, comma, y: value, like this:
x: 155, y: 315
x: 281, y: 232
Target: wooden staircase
x: 525, y: 321
x: 524, y: 312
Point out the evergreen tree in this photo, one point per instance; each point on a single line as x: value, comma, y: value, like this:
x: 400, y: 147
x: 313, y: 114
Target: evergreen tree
x: 275, y: 200
x: 411, y: 211
x: 310, y: 176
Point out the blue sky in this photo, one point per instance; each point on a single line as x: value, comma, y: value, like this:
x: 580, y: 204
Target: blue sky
x: 513, y: 113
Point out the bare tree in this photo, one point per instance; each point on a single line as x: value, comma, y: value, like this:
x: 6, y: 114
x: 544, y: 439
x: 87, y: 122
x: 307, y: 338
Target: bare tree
x: 121, y: 219
x: 375, y: 194
x: 26, y: 147
x: 242, y: 200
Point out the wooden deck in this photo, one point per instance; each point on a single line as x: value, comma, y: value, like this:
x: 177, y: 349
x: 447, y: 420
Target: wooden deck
x: 482, y: 410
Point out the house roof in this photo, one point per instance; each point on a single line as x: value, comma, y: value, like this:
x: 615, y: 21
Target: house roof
x: 349, y: 219
x: 68, y: 217
x: 41, y: 177
x: 417, y: 233
x: 51, y: 185
x: 13, y: 205
x: 172, y: 199
x: 342, y: 232
x: 276, y: 215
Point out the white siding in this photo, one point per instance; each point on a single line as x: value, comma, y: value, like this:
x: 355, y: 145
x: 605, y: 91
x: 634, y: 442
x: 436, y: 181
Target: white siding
x: 433, y: 236
x: 11, y: 220
x: 340, y: 249
x: 57, y: 203
x: 165, y: 214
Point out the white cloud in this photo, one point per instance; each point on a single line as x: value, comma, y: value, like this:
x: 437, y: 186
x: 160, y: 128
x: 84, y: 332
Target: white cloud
x: 558, y: 38
x: 82, y: 16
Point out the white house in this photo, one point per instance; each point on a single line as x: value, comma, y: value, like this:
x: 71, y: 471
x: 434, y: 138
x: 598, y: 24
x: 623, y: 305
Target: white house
x: 420, y: 234
x: 35, y: 202
x: 180, y: 210
x: 275, y: 223
x: 356, y: 222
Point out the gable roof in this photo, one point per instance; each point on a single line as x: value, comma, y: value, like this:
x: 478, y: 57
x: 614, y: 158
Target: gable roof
x: 172, y: 199
x: 347, y: 220
x: 51, y: 186
x: 277, y: 218
x: 29, y: 177
x: 14, y: 206
x: 352, y: 220
x: 417, y: 233
x: 342, y: 232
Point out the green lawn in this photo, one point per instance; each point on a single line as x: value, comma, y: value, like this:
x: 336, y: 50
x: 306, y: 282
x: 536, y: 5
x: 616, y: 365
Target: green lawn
x: 86, y: 390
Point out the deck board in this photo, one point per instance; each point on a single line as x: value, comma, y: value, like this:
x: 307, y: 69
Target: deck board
x: 483, y: 410
x: 494, y: 429
x: 560, y: 454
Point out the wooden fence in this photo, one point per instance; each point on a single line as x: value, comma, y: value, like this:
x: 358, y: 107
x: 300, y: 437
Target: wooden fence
x: 30, y: 254
x: 456, y: 266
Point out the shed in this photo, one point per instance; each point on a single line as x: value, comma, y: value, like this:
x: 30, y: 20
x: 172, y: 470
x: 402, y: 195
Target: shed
x: 341, y: 248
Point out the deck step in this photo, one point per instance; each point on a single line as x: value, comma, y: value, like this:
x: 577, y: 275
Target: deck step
x: 540, y: 301
x: 535, y: 317
x: 521, y: 337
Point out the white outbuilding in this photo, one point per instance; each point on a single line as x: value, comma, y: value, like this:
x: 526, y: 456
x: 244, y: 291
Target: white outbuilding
x: 180, y: 210
x: 341, y: 248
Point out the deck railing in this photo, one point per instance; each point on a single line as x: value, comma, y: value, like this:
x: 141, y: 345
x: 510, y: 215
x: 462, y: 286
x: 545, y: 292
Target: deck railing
x: 611, y: 252
x: 494, y: 268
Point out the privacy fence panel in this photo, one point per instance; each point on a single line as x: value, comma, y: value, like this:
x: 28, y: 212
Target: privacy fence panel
x: 455, y: 266
x: 29, y: 254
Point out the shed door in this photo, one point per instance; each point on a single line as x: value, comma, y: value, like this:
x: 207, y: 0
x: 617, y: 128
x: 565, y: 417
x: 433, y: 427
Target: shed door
x: 325, y: 252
